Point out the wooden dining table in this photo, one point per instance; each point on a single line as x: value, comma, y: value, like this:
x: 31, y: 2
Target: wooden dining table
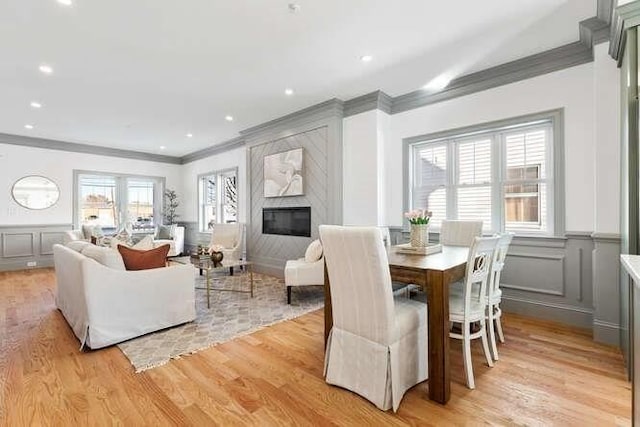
x: 433, y: 273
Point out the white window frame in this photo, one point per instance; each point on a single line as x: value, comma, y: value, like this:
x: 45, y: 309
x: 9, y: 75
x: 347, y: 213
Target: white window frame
x: 121, y: 195
x: 219, y: 174
x: 497, y: 131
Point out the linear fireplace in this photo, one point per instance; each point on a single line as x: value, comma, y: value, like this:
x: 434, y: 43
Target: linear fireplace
x: 287, y: 221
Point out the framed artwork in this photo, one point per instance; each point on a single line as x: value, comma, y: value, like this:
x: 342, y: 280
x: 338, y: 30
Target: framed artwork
x: 283, y: 174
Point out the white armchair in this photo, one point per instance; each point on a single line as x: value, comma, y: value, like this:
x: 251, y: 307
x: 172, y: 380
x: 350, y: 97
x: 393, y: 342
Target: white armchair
x: 176, y: 245
x: 229, y: 236
x: 305, y: 271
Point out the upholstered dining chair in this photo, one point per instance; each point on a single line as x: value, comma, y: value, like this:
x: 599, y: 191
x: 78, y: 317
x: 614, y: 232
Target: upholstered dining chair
x: 459, y: 233
x: 470, y: 306
x: 494, y: 294
x: 377, y: 347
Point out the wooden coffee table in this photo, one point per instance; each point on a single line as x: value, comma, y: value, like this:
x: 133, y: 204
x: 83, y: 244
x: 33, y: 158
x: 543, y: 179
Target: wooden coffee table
x: 207, y: 265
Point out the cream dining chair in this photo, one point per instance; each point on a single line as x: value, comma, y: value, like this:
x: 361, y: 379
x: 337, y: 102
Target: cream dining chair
x: 377, y: 347
x: 470, y: 306
x: 459, y: 233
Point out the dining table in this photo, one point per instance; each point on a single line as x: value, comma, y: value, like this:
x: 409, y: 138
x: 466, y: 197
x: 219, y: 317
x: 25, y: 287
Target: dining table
x: 433, y: 273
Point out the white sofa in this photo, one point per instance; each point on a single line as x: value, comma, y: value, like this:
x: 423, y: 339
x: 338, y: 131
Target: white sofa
x: 176, y: 245
x: 104, y: 304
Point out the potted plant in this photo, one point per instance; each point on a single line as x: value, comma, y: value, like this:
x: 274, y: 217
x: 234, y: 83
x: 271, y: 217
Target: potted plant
x: 170, y: 206
x: 419, y: 233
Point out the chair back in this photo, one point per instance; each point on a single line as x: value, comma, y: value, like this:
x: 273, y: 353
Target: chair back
x: 478, y: 272
x: 459, y: 233
x: 226, y: 235
x: 498, y: 262
x: 361, y: 294
x: 386, y: 236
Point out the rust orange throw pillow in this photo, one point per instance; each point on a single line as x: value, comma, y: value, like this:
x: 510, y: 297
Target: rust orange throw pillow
x: 144, y: 260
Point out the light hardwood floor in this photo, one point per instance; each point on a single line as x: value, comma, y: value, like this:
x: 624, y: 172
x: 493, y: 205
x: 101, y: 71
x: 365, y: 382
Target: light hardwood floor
x: 548, y: 374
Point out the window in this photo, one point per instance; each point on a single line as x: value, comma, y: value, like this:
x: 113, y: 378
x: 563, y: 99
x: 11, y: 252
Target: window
x: 503, y: 175
x: 218, y: 194
x: 112, y: 200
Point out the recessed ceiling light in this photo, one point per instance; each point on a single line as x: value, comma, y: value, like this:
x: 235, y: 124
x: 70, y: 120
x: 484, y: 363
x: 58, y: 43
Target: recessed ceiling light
x: 46, y: 69
x: 189, y: 135
x: 294, y: 7
x: 438, y: 84
x: 288, y: 92
x: 162, y: 147
x: 65, y: 2
x: 228, y: 118
x: 35, y: 104
x: 29, y: 126
x: 366, y: 58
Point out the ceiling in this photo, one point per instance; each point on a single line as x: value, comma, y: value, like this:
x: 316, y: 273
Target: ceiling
x: 142, y: 74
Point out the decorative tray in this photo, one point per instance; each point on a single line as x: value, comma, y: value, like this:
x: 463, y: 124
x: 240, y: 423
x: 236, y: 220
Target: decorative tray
x: 428, y: 250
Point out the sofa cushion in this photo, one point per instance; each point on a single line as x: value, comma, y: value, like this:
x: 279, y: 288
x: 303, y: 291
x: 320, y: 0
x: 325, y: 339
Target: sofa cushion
x: 145, y: 244
x: 165, y: 232
x: 144, y: 260
x: 105, y: 256
x: 77, y: 245
x: 314, y: 251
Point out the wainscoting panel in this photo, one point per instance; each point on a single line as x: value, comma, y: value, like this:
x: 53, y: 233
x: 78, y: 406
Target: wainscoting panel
x: 48, y: 239
x: 553, y: 278
x: 25, y: 246
x: 529, y: 272
x: 17, y: 245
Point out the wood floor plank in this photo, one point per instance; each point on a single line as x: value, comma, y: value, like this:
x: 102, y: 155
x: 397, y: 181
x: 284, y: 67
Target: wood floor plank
x: 548, y: 374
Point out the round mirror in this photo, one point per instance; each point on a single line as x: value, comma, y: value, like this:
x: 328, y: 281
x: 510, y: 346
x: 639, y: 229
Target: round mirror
x: 35, y: 192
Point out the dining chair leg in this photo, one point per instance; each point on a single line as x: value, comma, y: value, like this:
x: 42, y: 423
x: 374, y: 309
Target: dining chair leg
x: 498, y: 318
x: 485, y: 344
x: 466, y: 350
x: 492, y: 333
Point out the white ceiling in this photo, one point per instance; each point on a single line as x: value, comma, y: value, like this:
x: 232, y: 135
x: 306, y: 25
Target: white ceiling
x: 141, y: 74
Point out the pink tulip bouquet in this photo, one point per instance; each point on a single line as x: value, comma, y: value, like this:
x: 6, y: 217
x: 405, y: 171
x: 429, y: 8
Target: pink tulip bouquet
x: 418, y: 216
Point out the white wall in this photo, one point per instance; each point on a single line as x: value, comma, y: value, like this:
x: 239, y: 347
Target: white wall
x: 589, y: 95
x: 607, y: 147
x: 570, y: 88
x: 17, y: 161
x: 360, y: 179
x: 190, y: 171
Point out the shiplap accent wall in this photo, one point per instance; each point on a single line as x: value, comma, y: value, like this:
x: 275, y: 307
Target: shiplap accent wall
x: 271, y: 251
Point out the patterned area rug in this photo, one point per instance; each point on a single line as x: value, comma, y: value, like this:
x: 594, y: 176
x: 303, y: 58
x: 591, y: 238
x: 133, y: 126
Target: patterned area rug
x: 231, y: 315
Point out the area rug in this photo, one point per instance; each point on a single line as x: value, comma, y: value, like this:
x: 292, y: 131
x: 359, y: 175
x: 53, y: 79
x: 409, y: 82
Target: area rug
x: 231, y: 315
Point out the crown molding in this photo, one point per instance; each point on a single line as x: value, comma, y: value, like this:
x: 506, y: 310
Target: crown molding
x: 331, y: 108
x: 623, y: 18
x: 377, y: 100
x: 215, y: 149
x: 535, y: 65
x: 52, y: 144
x: 605, y: 10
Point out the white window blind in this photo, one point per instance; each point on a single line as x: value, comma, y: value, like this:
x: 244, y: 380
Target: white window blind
x: 430, y: 176
x: 474, y: 181
x: 502, y: 176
